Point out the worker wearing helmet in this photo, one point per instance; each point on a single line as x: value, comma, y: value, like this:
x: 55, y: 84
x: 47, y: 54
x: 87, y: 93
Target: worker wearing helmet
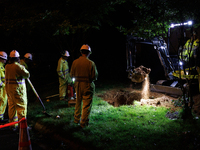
x: 190, y: 49
x: 85, y: 72
x: 15, y: 75
x: 27, y: 60
x: 63, y: 75
x: 3, y: 95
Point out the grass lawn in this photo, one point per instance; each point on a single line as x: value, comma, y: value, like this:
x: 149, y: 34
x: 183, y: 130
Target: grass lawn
x: 125, y: 127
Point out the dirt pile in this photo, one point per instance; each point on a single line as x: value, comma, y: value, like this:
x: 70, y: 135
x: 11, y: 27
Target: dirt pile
x: 118, y: 97
x: 127, y: 96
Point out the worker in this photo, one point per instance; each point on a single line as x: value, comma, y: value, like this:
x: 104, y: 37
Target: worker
x: 190, y: 49
x: 26, y: 60
x: 63, y: 75
x: 85, y: 72
x: 15, y: 75
x: 3, y: 95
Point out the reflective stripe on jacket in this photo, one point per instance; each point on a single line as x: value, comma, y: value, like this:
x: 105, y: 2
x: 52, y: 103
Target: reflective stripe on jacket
x: 190, y: 49
x: 15, y: 75
x: 63, y: 70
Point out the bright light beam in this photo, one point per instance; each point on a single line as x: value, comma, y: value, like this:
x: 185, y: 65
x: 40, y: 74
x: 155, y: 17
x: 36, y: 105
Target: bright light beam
x: 181, y: 24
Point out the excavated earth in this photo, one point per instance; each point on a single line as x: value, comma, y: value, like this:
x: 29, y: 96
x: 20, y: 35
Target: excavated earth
x: 127, y: 96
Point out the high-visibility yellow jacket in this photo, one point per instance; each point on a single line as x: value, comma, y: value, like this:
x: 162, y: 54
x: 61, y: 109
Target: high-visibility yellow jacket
x: 2, y: 75
x: 84, y: 70
x: 15, y: 75
x: 22, y: 62
x: 63, y: 71
x: 15, y: 78
x: 3, y: 95
x: 189, y: 49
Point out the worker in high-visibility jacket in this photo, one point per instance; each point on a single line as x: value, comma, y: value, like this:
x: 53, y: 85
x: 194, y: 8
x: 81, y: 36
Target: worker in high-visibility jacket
x: 63, y: 75
x: 190, y: 50
x: 26, y: 60
x: 3, y: 95
x: 15, y: 75
x: 85, y: 72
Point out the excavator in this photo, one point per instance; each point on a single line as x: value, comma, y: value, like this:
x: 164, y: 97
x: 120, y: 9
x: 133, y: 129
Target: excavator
x: 151, y: 57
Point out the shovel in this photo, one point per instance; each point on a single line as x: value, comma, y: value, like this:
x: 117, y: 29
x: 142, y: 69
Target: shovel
x: 44, y: 111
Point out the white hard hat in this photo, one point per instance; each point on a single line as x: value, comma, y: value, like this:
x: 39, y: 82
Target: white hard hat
x: 28, y: 56
x: 3, y: 55
x: 14, y: 53
x: 85, y: 47
x: 66, y: 53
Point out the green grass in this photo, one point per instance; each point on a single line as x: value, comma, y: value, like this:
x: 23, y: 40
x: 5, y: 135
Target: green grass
x: 124, y: 127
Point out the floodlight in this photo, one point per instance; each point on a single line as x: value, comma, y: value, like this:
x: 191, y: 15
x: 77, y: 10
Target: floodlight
x: 180, y: 24
x: 189, y: 22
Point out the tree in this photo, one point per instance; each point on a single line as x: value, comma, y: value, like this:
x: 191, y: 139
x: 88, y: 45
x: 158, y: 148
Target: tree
x: 149, y: 18
x: 66, y: 23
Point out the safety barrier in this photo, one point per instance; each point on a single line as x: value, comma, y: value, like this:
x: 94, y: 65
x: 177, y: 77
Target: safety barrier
x: 24, y: 138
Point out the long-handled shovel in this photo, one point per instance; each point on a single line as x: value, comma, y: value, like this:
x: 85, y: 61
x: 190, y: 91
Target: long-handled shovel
x: 44, y: 111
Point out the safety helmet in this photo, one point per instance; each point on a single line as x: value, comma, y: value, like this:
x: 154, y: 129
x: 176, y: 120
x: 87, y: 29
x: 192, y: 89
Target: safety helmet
x: 14, y: 53
x: 3, y: 55
x: 65, y: 53
x: 28, y: 56
x: 85, y: 47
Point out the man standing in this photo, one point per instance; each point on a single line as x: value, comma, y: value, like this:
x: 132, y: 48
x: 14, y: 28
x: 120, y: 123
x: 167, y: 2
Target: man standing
x: 85, y: 72
x: 15, y: 75
x: 27, y: 60
x: 3, y: 95
x: 63, y: 75
x: 190, y: 50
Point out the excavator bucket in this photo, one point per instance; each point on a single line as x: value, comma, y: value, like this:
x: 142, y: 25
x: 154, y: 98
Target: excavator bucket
x: 139, y: 74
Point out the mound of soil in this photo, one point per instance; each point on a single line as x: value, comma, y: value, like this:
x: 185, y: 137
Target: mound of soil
x: 127, y: 96
x: 118, y: 97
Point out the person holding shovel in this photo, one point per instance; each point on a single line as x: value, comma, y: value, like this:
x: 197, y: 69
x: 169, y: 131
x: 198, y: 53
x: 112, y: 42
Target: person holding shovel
x: 15, y: 75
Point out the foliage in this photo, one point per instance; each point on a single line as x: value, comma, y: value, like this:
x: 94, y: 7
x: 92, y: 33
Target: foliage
x: 151, y: 18
x: 73, y: 20
x: 55, y: 21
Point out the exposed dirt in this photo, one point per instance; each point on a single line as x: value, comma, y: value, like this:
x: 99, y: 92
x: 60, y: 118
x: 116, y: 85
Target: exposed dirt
x: 127, y: 96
